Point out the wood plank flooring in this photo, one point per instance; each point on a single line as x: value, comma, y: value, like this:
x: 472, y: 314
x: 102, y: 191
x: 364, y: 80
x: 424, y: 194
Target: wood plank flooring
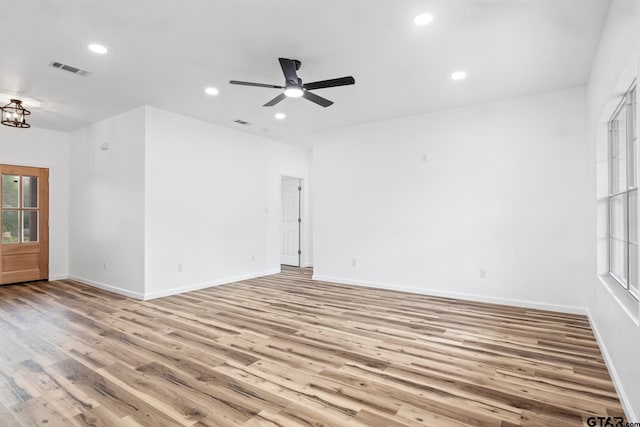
x: 285, y: 350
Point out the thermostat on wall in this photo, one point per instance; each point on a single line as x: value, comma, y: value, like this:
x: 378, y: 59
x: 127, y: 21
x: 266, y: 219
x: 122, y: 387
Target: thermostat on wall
x: 104, y: 146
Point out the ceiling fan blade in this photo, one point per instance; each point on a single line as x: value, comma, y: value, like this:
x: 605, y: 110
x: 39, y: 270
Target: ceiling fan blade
x: 317, y: 99
x: 342, y: 81
x: 289, y: 70
x: 275, y: 100
x: 236, y: 82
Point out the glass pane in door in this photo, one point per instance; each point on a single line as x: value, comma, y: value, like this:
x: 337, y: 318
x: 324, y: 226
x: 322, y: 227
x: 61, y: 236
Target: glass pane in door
x: 10, y: 226
x: 10, y: 191
x: 29, y: 226
x: 29, y: 191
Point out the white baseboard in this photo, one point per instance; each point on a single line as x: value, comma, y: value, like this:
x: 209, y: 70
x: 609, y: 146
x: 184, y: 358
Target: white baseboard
x: 58, y: 277
x: 204, y: 285
x: 172, y: 291
x: 457, y: 295
x: 617, y: 383
x: 106, y: 287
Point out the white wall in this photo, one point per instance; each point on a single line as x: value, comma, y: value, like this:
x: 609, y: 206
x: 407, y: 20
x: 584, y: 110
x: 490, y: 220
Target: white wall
x: 212, y: 200
x: 107, y: 203
x: 614, y: 315
x: 503, y: 190
x: 46, y: 149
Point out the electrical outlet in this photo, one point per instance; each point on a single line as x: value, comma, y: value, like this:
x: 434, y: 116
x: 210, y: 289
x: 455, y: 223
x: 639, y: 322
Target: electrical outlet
x: 483, y: 273
x: 179, y: 268
x: 253, y: 257
x: 354, y: 263
x: 104, y: 265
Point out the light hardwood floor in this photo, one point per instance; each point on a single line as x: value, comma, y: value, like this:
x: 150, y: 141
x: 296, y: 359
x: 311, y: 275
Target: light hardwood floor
x: 287, y: 351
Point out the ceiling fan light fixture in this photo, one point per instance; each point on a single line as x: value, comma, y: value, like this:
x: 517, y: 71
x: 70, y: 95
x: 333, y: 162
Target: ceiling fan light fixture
x: 294, y: 91
x: 14, y: 114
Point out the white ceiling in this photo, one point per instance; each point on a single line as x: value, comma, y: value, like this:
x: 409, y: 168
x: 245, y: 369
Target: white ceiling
x: 164, y: 53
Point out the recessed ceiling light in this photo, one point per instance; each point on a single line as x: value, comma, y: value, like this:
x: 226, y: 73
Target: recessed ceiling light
x: 459, y: 75
x: 281, y: 116
x: 97, y: 48
x: 423, y: 19
x: 211, y: 91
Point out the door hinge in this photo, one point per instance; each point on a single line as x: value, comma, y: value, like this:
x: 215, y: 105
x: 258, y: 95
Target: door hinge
x: 299, y: 188
x: 299, y: 220
x: 299, y: 251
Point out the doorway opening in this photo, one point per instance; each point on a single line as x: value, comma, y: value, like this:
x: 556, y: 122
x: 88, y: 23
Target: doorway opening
x: 290, y: 220
x: 24, y: 243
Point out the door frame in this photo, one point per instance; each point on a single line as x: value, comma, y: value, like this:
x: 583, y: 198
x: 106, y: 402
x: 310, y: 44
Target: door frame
x: 301, y: 211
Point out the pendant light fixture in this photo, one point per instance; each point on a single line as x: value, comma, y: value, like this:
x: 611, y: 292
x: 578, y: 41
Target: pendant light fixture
x: 14, y: 114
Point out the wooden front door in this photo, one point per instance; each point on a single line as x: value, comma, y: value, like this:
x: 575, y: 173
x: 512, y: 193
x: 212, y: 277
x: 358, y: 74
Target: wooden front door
x: 24, y: 250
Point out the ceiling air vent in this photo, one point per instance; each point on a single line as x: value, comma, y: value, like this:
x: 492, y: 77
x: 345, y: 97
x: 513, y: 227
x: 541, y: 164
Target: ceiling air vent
x: 242, y: 122
x: 69, y: 68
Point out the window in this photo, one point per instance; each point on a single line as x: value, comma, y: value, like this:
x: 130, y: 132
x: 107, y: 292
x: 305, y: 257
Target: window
x: 623, y: 194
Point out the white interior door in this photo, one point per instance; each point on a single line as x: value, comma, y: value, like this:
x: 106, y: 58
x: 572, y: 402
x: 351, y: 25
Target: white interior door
x: 290, y: 221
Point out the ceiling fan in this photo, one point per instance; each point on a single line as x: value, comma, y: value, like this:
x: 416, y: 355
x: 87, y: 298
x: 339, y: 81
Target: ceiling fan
x: 294, y: 88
